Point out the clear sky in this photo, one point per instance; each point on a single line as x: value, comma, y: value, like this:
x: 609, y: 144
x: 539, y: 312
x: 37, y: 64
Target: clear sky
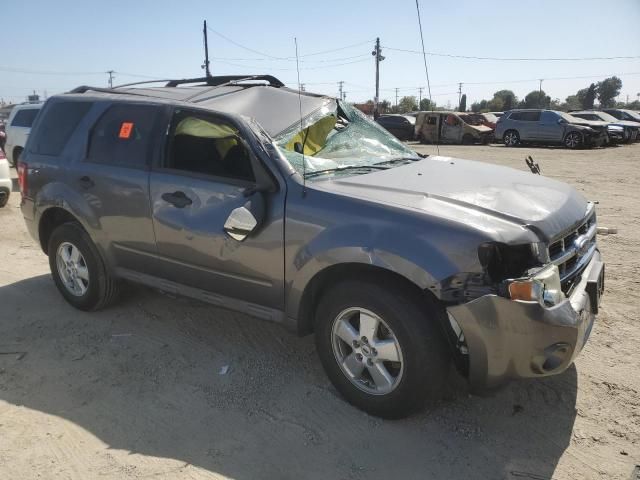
x: 64, y: 43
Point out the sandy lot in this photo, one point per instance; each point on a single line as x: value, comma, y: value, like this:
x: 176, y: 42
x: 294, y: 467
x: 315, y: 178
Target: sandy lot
x: 135, y: 391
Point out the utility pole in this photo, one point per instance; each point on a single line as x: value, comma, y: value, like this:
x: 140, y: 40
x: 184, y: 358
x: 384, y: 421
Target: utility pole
x: 459, y: 94
x: 344, y: 95
x: 340, y: 83
x: 397, y: 98
x: 206, y: 51
x: 377, y: 52
x: 420, y: 96
x: 111, y: 77
x: 302, y: 87
x: 540, y: 94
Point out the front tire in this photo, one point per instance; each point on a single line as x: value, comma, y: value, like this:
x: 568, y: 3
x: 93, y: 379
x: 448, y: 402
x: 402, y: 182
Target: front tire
x: 573, y: 140
x: 381, y: 348
x: 467, y: 139
x: 511, y: 138
x: 78, y: 270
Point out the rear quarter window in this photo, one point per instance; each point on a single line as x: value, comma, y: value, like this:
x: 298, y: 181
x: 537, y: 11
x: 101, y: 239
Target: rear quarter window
x: 59, y: 121
x: 525, y: 116
x: 25, y: 118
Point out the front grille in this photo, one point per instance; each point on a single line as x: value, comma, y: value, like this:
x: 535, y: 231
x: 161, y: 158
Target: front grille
x: 572, y: 250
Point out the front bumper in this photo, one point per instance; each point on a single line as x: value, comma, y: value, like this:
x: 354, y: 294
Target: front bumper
x: 596, y: 139
x: 509, y: 339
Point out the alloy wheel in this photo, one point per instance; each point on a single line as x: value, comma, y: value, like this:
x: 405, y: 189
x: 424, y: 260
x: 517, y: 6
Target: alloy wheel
x: 511, y: 139
x: 572, y: 140
x: 72, y: 269
x: 367, y: 351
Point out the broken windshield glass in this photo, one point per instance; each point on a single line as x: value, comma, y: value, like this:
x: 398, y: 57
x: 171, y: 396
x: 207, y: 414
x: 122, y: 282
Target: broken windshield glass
x: 338, y: 136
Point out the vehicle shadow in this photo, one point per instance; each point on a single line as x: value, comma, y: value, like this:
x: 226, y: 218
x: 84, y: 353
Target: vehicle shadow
x: 176, y: 379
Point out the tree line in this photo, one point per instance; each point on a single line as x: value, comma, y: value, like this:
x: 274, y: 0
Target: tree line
x: 605, y: 92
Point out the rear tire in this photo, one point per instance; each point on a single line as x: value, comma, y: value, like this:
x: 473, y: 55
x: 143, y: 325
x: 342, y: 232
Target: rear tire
x: 396, y: 368
x: 511, y: 138
x: 78, y: 269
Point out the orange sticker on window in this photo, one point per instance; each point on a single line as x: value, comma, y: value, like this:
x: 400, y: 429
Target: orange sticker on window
x: 125, y: 129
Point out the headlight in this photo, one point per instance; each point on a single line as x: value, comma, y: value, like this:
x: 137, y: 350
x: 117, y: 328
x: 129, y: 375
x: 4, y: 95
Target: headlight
x: 542, y: 286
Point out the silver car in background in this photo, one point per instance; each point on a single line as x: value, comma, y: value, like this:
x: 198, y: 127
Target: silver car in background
x: 549, y: 127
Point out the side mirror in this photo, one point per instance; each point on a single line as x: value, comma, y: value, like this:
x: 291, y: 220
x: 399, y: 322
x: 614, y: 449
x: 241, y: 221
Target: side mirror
x: 244, y: 220
x: 561, y: 121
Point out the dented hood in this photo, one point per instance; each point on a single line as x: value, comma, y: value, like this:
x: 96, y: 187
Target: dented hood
x: 480, y: 194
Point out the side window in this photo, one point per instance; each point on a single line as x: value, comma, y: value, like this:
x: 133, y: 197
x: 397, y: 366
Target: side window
x: 515, y: 116
x: 122, y: 136
x: 525, y: 116
x: 25, y: 118
x: 205, y: 145
x: 432, y: 120
x: 59, y: 122
x: 548, y: 117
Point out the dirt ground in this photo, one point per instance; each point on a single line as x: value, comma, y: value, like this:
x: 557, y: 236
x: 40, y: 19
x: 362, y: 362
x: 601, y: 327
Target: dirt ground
x: 169, y: 388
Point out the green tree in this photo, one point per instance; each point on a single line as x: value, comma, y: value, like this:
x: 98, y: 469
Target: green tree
x: 536, y: 99
x: 384, y: 106
x: 502, y: 100
x: 426, y: 104
x: 590, y: 97
x: 572, y: 102
x: 463, y: 103
x: 407, y: 104
x: 608, y: 90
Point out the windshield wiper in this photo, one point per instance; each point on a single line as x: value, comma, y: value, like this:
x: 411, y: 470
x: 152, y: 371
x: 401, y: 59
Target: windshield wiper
x: 398, y: 160
x: 347, y: 167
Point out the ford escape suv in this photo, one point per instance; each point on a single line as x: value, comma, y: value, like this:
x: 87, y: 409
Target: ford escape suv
x: 295, y: 208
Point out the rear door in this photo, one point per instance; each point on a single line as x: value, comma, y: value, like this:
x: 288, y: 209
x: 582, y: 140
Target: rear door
x: 113, y: 178
x: 206, y: 174
x: 527, y: 124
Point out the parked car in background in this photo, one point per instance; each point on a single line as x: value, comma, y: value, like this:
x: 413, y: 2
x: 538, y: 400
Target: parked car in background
x: 452, y: 127
x: 5, y: 180
x: 314, y: 217
x: 623, y: 114
x: 400, y: 126
x: 618, y: 130
x: 549, y: 127
x: 497, y: 114
x: 489, y: 120
x: 18, y: 128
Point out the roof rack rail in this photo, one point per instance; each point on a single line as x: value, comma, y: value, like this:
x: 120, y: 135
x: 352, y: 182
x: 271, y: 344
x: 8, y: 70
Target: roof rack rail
x: 87, y: 88
x: 220, y: 80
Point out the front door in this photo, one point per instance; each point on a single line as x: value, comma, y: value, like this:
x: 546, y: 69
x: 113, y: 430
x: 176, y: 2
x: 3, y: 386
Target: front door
x: 549, y: 128
x: 206, y: 174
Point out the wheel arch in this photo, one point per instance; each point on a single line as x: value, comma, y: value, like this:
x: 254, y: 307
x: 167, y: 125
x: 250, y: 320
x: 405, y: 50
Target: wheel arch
x: 330, y: 275
x: 50, y: 219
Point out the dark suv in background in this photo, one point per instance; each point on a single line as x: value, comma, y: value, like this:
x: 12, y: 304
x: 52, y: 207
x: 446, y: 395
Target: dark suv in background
x: 550, y: 127
x: 295, y: 208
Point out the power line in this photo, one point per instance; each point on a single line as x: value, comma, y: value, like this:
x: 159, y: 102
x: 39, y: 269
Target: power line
x: 515, y: 59
x: 274, y: 57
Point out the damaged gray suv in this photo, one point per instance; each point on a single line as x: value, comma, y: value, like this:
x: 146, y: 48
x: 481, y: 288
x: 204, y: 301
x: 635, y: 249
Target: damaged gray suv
x: 295, y: 208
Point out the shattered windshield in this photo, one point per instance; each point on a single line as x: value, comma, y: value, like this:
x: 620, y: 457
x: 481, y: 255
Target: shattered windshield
x: 340, y: 137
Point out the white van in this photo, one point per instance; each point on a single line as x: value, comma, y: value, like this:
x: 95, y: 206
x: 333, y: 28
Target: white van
x: 18, y: 128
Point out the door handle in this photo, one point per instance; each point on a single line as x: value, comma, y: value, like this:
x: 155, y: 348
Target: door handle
x: 177, y: 199
x: 86, y: 182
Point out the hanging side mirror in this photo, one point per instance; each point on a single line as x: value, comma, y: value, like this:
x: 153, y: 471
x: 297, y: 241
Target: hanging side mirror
x: 247, y: 219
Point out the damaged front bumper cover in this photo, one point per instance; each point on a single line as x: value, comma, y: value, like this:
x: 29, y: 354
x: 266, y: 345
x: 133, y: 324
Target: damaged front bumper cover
x: 508, y: 339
